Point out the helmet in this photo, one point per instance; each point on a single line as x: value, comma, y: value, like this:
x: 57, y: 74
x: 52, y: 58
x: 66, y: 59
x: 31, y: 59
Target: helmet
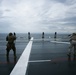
x: 10, y: 34
x: 74, y: 33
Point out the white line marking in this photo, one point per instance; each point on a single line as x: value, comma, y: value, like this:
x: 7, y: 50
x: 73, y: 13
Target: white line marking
x: 60, y: 42
x: 41, y: 39
x: 40, y: 61
x: 21, y: 66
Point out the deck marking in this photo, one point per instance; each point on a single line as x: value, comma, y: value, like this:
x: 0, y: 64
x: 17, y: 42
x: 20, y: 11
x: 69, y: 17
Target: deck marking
x: 21, y: 66
x: 39, y: 61
x: 41, y: 39
x: 60, y: 42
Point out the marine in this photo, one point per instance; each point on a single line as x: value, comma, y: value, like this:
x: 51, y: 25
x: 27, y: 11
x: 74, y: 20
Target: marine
x: 10, y: 44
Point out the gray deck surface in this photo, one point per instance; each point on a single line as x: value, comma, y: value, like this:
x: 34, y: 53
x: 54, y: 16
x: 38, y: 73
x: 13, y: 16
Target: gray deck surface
x: 39, y: 64
x: 60, y: 63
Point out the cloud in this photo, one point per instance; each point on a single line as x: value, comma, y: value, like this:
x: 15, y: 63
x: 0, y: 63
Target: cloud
x: 38, y: 15
x: 5, y: 26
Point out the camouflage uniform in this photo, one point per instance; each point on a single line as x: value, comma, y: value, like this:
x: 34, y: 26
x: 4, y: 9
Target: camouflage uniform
x: 73, y: 43
x: 11, y: 45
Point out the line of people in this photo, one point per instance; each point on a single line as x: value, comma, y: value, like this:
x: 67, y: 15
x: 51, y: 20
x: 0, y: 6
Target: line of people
x: 11, y: 37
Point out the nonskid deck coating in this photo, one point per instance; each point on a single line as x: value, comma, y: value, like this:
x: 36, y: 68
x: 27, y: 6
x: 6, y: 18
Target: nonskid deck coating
x: 46, y: 58
x: 51, y: 59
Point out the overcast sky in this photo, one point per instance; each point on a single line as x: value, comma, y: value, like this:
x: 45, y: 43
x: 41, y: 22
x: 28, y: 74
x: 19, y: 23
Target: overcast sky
x: 50, y: 16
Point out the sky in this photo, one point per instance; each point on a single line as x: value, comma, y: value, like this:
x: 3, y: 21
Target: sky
x: 36, y: 16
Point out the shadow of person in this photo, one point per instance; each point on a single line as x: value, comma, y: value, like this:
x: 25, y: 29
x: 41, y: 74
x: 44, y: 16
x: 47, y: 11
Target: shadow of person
x: 8, y: 60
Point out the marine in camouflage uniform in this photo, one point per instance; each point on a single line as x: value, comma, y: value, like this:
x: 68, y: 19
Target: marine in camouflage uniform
x: 10, y: 44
